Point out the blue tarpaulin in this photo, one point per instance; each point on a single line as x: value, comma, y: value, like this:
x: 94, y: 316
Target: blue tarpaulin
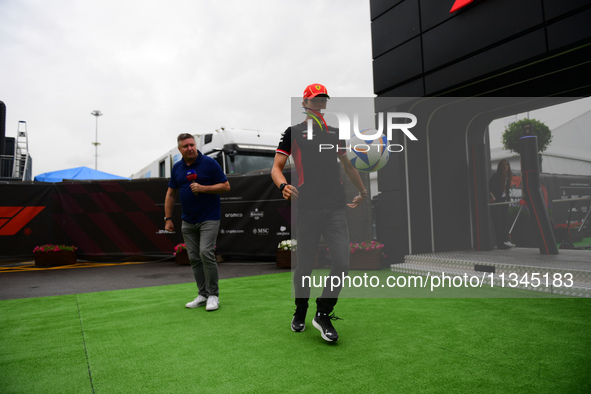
x: 78, y: 173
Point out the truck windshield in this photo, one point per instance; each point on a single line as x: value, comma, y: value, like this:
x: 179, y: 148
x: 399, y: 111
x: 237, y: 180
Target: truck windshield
x: 243, y: 162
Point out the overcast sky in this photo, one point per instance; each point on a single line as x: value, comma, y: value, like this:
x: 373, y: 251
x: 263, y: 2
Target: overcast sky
x: 159, y: 68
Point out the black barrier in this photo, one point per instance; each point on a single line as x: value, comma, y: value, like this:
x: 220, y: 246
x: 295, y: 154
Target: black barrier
x: 480, y: 217
x: 255, y: 218
x: 122, y: 220
x: 115, y: 219
x: 2, y: 128
x: 5, y: 161
x: 532, y: 194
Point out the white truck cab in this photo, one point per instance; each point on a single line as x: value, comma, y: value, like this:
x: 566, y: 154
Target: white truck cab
x: 236, y: 150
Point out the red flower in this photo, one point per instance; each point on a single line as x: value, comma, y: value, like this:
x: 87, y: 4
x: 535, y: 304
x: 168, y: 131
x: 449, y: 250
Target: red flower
x: 179, y: 248
x: 53, y: 248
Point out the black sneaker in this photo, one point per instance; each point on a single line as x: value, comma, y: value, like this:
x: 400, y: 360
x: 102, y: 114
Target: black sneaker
x: 322, y: 323
x: 298, y: 323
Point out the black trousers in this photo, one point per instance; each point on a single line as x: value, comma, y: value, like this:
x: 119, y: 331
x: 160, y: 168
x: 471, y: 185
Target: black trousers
x: 312, y: 223
x: 500, y: 217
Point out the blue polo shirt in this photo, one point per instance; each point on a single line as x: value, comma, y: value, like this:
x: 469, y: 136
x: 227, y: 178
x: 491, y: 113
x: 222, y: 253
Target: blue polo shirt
x: 203, y: 206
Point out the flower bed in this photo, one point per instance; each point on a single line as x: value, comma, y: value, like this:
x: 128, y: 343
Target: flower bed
x: 284, y: 253
x: 562, y: 234
x: 366, y: 255
x: 181, y: 256
x: 54, y: 255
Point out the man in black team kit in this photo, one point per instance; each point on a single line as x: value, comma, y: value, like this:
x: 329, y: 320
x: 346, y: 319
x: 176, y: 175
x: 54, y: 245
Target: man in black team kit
x: 321, y: 205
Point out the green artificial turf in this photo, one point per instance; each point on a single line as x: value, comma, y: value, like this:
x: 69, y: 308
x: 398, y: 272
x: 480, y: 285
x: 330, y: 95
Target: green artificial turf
x: 146, y: 341
x: 585, y: 242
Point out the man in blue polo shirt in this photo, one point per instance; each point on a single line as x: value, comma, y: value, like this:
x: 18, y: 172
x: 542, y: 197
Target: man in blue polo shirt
x: 199, y: 180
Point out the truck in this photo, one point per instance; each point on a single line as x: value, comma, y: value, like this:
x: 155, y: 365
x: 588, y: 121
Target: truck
x: 237, y: 151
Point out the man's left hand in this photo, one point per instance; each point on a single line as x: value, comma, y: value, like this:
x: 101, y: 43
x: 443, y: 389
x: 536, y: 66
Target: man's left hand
x: 356, y: 201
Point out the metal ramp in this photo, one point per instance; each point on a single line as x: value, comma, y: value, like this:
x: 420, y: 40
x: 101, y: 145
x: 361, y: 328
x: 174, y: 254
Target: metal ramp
x: 22, y: 161
x: 514, y: 267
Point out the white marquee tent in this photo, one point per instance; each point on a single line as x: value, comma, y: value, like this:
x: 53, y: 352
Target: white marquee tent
x: 568, y: 154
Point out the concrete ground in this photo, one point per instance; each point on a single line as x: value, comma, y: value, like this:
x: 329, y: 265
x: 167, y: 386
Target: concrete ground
x: 22, y: 280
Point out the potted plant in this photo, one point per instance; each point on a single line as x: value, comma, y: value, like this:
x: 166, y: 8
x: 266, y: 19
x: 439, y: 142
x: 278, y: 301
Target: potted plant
x: 366, y: 255
x: 49, y: 255
x: 284, y: 251
x: 514, y: 131
x: 181, y: 256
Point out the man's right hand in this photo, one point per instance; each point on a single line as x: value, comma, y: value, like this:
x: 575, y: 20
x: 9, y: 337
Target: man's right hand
x: 169, y: 226
x: 290, y: 192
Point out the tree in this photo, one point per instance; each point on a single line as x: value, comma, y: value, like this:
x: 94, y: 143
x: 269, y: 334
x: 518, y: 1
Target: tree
x: 514, y: 131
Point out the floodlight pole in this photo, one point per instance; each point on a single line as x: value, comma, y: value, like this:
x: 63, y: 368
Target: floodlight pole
x: 96, y: 113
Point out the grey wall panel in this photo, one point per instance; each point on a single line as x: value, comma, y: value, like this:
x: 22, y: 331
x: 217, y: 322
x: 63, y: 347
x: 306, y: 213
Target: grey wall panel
x: 570, y: 30
x: 556, y: 8
x: 483, y: 26
x: 413, y: 88
x: 378, y: 7
x: 500, y: 57
x: 396, y: 26
x: 434, y: 12
x: 398, y: 65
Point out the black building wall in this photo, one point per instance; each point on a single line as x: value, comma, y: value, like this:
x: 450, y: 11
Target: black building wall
x: 7, y: 159
x: 491, y: 48
x: 420, y: 49
x: 2, y: 126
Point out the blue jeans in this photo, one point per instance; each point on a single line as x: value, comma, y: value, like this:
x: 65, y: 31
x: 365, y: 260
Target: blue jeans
x: 331, y: 223
x: 200, y: 239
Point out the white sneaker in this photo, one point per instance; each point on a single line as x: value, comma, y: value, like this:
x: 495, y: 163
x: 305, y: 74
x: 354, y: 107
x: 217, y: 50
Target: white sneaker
x: 509, y: 244
x: 213, y: 303
x: 199, y: 301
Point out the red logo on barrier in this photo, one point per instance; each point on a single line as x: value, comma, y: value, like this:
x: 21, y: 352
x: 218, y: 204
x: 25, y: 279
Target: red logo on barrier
x: 12, y: 219
x: 459, y: 4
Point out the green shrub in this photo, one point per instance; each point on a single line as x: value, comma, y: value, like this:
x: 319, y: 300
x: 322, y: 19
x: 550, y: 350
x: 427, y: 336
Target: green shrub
x: 514, y: 131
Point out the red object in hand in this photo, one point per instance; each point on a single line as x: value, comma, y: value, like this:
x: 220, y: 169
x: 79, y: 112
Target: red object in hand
x: 191, y: 175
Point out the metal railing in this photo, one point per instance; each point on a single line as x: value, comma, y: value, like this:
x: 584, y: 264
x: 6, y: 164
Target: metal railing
x: 6, y: 166
x: 15, y: 167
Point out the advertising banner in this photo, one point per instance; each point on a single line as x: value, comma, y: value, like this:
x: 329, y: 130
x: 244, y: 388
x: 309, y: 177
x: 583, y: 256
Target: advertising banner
x: 120, y: 220
x: 255, y: 218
